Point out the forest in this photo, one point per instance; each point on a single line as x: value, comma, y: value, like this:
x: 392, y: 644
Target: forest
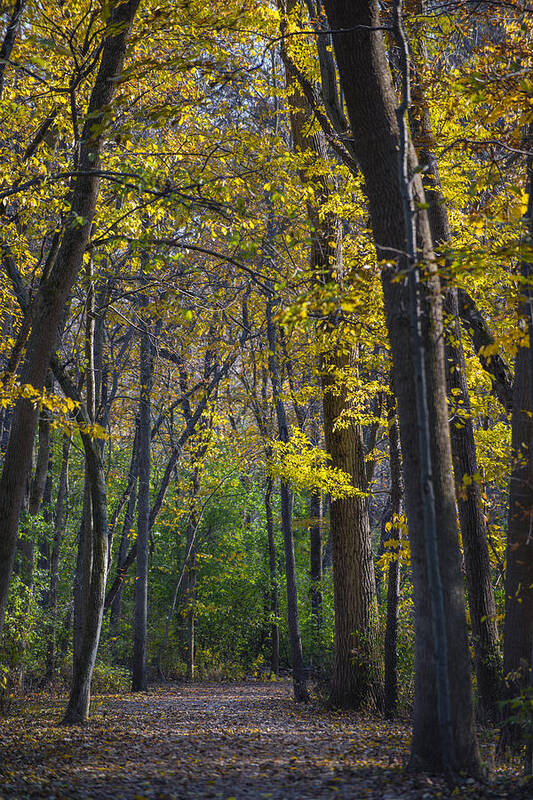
x: 266, y: 399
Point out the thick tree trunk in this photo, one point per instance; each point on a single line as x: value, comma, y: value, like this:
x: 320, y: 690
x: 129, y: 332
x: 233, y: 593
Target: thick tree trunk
x: 393, y: 586
x: 355, y: 679
x: 469, y: 501
x: 298, y: 670
x: 355, y: 675
x: 53, y: 293
x: 371, y: 104
x: 518, y: 630
x: 143, y: 515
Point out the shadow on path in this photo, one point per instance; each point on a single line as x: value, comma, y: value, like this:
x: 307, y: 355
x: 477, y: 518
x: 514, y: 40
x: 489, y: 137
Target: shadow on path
x: 214, y: 741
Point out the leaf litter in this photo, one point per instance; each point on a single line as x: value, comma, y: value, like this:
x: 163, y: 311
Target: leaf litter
x: 219, y: 742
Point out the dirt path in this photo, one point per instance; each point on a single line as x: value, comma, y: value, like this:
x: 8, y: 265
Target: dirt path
x: 213, y: 741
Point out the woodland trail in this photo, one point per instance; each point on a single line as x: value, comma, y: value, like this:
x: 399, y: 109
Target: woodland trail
x: 247, y: 740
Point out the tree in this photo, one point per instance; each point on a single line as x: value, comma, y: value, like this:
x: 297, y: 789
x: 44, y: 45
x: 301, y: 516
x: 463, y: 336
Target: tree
x: 65, y: 261
x: 355, y: 680
x: 393, y: 585
x: 481, y: 601
x: 143, y: 511
x: 366, y: 80
x: 518, y: 630
x: 299, y: 679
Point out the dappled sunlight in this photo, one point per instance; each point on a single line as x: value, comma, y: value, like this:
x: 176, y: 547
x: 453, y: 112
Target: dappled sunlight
x: 211, y: 741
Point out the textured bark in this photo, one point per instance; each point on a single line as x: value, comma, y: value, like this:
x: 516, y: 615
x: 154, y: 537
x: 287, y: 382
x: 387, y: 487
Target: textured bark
x: 393, y: 585
x: 10, y: 39
x: 5, y: 427
x: 355, y: 678
x: 519, y: 572
x: 327, y: 559
x: 116, y: 603
x: 518, y: 630
x: 122, y: 571
x: 481, y: 600
x: 355, y: 674
x: 482, y: 605
x: 143, y: 515
x: 496, y: 367
x: 55, y: 288
x: 93, y: 546
x: 371, y: 104
x: 41, y: 467
x: 79, y: 699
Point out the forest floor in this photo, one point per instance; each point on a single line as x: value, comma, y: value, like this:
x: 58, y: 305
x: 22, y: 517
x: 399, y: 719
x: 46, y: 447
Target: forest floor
x: 228, y: 741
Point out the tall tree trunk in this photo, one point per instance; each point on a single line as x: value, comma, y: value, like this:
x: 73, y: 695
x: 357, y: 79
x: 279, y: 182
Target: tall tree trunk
x: 116, y: 604
x: 519, y: 571
x: 481, y: 600
x: 43, y: 544
x: 315, y: 545
x: 371, y: 102
x: 35, y: 491
x: 84, y: 561
x: 191, y: 573
x: 143, y: 515
x: 59, y: 526
x: 5, y: 427
x: 128, y: 499
x: 82, y: 575
x: 273, y: 580
x: 93, y: 538
x: 393, y: 586
x: 79, y: 699
x: 55, y: 288
x: 9, y: 39
x: 298, y: 670
x: 518, y: 629
x: 41, y: 467
x: 355, y: 678
x: 190, y: 618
